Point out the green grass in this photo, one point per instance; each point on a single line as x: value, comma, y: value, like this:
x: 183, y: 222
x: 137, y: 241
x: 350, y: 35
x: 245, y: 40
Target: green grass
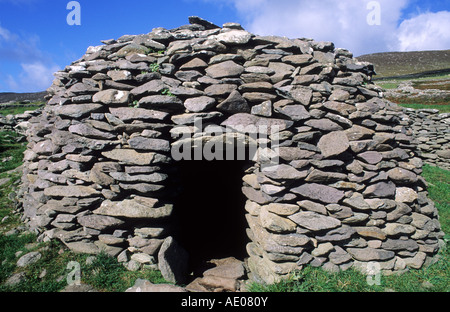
x: 441, y: 108
x: 317, y: 280
x: 19, y: 109
x: 389, y: 85
x: 11, y: 151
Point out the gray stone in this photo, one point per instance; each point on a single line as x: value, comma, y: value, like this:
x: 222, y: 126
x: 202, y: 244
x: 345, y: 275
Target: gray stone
x: 400, y: 244
x: 370, y: 254
x: 99, y: 222
x: 173, y: 261
x: 282, y: 172
x: 138, y: 207
x: 235, y: 103
x: 334, y: 143
x: 149, y: 144
x: 224, y: 69
x: 323, y: 124
x: 199, y: 104
x: 402, y: 176
x: 111, y: 96
x: 130, y: 157
x: 275, y: 223
x: 29, y: 258
x: 253, y: 124
x: 314, y: 221
x: 381, y: 189
x: 70, y: 191
x: 77, y: 110
x: 319, y: 192
x: 371, y: 157
x: 294, y: 112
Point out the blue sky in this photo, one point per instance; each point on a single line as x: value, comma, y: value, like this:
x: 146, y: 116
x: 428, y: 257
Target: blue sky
x: 35, y: 39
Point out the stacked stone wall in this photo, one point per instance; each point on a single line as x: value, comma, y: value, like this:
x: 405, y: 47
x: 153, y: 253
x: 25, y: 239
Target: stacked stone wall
x: 335, y: 180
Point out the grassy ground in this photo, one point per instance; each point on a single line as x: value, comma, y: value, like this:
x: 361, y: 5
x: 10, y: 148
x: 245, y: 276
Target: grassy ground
x: 425, y: 101
x: 20, y: 109
x: 404, y: 63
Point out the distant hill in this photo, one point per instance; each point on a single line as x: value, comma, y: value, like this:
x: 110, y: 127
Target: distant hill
x: 394, y: 64
x: 6, y: 97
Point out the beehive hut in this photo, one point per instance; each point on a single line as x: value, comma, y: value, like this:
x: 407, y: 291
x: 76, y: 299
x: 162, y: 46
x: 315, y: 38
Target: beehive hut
x: 206, y: 142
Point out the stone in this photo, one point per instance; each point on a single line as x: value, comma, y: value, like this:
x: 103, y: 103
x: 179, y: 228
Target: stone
x: 312, y: 206
x: 235, y: 103
x: 340, y: 108
x: 264, y: 109
x: 90, y: 132
x: 323, y: 124
x: 370, y: 232
x: 324, y: 177
x: 370, y: 254
x: 110, y: 97
x: 70, y: 191
x: 334, y: 143
x: 339, y: 256
x: 164, y: 102
x: 199, y: 104
x: 322, y: 193
x: 322, y: 250
x: 314, y: 221
x: 282, y: 209
x: 136, y: 208
x: 371, y: 157
x: 282, y: 172
x: 393, y: 229
x: 294, y: 112
x: 173, y: 261
x: 130, y: 157
x: 405, y: 195
x: 381, y: 189
x: 339, y: 234
x: 29, y: 258
x: 151, y: 87
x: 358, y: 133
x: 400, y: 244
x: 242, y: 122
x: 234, y: 37
x: 275, y: 223
x: 402, y: 176
x: 99, y: 222
x: 76, y: 111
x: 224, y: 70
x: 149, y: 144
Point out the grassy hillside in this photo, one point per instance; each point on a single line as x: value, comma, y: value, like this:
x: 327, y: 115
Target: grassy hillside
x: 393, y: 64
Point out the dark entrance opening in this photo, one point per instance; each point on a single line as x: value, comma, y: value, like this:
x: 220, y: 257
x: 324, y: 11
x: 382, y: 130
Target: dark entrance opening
x: 209, y: 211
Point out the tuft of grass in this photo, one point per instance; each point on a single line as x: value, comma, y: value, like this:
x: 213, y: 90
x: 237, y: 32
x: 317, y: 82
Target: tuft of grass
x: 20, y: 109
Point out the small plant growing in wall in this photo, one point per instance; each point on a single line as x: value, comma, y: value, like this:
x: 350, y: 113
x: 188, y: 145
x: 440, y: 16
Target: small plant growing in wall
x: 154, y: 68
x: 134, y: 104
x: 167, y: 92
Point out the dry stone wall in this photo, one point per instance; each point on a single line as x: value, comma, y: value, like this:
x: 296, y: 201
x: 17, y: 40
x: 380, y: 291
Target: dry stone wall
x: 345, y: 189
x: 432, y: 133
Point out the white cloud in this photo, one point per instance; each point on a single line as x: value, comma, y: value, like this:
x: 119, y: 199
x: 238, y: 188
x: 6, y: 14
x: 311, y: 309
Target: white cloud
x: 428, y: 31
x: 343, y: 22
x: 34, y: 77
